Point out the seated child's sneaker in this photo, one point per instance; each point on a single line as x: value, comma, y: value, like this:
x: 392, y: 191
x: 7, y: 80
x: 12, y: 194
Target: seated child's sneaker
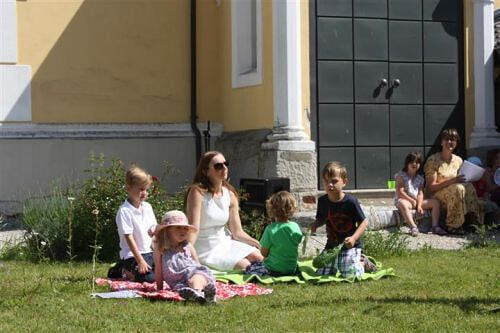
x: 190, y: 294
x: 210, y: 292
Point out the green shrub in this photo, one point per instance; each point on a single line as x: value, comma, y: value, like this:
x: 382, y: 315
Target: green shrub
x: 254, y: 223
x: 65, y: 226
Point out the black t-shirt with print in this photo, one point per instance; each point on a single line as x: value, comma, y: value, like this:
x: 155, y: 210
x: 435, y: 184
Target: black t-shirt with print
x: 342, y: 218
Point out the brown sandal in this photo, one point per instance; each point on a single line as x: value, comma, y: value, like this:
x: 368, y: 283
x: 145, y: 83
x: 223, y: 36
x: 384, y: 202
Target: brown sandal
x: 437, y: 230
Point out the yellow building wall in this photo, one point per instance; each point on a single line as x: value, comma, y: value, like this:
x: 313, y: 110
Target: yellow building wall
x: 106, y: 61
x: 237, y: 108
x: 240, y: 108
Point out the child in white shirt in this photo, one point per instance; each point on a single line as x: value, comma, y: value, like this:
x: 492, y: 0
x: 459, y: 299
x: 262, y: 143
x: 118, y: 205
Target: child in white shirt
x: 136, y: 223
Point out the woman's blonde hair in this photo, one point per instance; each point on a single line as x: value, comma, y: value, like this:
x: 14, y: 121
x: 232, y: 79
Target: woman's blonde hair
x: 135, y: 175
x: 281, y: 206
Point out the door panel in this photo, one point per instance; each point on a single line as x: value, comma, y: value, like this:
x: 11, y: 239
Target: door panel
x: 370, y: 39
x: 336, y: 124
x: 440, y: 83
x: 372, y: 124
x: 372, y: 167
x: 398, y: 156
x: 405, y: 41
x: 407, y: 125
x: 409, y: 90
x: 334, y: 8
x: 362, y: 46
x: 440, y: 10
x: 335, y: 82
x: 342, y: 155
x: 370, y: 8
x: 334, y: 38
x: 368, y: 76
x: 437, y: 118
x: 405, y: 9
x: 440, y: 41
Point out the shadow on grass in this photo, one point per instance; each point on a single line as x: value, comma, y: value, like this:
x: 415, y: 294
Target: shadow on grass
x: 465, y: 304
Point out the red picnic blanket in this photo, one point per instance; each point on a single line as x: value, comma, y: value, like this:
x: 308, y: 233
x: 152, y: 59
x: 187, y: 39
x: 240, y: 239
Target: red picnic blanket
x: 148, y: 290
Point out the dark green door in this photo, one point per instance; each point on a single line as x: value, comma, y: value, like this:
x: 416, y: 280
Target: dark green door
x: 386, y: 80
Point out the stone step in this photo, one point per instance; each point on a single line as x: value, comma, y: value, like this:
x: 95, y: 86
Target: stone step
x: 379, y: 216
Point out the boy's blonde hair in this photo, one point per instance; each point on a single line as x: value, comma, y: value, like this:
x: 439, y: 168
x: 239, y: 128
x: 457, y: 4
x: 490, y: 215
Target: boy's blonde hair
x: 137, y: 176
x: 331, y: 168
x: 281, y: 206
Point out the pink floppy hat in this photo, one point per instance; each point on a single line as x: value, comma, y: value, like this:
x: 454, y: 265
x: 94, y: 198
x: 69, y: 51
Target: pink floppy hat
x: 174, y: 218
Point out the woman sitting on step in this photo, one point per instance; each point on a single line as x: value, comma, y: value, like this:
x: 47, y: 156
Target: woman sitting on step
x: 443, y: 181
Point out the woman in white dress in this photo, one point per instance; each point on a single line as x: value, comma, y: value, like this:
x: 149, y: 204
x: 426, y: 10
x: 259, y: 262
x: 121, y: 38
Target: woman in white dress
x: 212, y: 203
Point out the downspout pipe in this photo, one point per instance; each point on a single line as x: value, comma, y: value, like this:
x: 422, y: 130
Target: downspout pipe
x: 194, y: 115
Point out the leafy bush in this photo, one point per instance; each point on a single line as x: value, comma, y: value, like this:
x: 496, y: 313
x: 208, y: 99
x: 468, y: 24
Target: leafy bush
x: 254, y: 223
x: 67, y: 226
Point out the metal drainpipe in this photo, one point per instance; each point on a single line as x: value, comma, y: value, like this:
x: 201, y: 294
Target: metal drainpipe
x: 194, y: 116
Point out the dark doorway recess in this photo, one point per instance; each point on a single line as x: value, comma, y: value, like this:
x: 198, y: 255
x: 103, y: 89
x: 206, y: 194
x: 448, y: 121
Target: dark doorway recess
x: 386, y: 78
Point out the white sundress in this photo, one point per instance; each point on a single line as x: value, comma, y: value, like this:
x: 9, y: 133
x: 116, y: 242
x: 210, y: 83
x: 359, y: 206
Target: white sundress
x: 214, y: 245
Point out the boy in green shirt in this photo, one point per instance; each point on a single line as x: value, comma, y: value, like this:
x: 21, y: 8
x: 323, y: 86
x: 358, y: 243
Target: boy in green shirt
x: 281, y: 239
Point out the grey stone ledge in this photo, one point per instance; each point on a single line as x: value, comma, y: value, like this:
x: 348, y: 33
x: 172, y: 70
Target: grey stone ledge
x: 101, y: 131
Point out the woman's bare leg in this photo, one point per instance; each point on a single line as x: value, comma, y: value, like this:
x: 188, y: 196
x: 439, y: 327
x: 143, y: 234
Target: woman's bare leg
x: 433, y: 205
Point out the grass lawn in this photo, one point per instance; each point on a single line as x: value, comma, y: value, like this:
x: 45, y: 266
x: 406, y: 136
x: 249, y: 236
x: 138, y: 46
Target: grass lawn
x: 434, y: 291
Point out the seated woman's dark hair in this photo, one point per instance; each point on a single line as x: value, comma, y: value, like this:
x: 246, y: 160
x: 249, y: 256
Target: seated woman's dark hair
x: 450, y: 133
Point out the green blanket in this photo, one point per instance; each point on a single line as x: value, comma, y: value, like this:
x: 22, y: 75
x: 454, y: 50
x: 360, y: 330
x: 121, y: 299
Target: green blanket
x: 307, y: 273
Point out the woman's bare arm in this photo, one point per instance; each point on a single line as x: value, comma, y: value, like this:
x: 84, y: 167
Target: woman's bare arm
x: 194, y: 200
x: 235, y: 224
x: 434, y: 186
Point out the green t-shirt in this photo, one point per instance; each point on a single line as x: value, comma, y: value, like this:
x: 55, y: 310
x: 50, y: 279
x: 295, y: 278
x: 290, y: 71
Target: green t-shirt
x: 282, y: 239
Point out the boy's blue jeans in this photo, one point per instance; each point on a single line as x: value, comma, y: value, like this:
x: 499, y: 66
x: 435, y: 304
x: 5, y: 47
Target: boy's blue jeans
x: 131, y: 266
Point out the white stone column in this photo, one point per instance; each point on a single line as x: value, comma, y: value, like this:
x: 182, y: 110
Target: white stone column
x: 288, y: 132
x: 288, y: 151
x: 484, y: 132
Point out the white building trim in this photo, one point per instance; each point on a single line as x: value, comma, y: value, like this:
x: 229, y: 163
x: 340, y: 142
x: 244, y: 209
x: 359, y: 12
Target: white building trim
x: 246, y: 43
x: 484, y: 132
x: 15, y: 93
x: 101, y: 131
x: 15, y: 80
x: 287, y: 80
x: 8, y: 32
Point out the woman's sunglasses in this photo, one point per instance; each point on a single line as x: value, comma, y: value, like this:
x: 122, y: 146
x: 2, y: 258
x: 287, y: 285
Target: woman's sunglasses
x: 220, y: 166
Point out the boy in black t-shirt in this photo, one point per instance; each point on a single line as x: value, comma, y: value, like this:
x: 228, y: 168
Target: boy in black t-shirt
x: 345, y: 222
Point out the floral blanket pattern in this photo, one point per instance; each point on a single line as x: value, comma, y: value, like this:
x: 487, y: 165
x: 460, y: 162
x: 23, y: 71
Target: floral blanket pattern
x: 148, y: 290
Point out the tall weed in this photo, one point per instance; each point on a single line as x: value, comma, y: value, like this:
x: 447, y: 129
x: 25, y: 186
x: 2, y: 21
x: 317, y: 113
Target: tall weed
x: 378, y: 245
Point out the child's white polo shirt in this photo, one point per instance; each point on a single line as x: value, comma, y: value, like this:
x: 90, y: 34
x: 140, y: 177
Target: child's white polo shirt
x: 136, y: 222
